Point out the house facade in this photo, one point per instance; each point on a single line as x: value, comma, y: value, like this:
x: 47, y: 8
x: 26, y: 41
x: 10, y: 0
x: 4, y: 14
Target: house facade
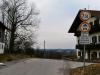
x: 92, y: 51
x: 2, y: 37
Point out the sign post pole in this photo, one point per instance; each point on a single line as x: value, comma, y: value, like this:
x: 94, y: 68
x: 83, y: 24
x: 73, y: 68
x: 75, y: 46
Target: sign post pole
x: 84, y: 60
x: 84, y: 28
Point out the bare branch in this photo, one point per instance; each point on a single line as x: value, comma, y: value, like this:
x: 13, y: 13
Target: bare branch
x: 19, y: 17
x: 27, y: 16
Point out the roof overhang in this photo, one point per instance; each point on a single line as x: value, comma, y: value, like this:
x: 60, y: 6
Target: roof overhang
x: 77, y: 21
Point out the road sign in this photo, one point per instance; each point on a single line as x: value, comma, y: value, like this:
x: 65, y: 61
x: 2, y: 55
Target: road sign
x: 85, y: 15
x: 85, y: 27
x: 84, y: 38
x: 84, y: 34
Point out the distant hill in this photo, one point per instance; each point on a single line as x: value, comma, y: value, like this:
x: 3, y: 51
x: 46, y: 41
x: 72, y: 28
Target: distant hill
x: 56, y: 53
x: 62, y: 51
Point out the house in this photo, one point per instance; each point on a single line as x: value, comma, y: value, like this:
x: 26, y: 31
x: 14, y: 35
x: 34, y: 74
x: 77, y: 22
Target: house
x: 2, y: 37
x: 92, y: 28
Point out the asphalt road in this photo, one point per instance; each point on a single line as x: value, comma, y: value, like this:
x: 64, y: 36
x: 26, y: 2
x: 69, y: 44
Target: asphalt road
x: 35, y: 67
x: 39, y: 67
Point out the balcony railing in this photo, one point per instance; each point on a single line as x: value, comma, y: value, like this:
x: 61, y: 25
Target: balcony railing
x: 88, y: 46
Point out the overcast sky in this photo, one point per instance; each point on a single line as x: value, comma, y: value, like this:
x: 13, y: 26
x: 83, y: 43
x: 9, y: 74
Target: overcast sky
x: 56, y: 19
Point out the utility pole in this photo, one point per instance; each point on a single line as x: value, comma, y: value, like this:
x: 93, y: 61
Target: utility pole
x: 44, y: 48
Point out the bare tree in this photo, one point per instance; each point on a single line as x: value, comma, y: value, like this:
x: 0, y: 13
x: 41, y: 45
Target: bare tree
x: 18, y: 16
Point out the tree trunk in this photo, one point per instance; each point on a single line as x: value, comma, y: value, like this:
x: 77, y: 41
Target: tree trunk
x: 12, y: 38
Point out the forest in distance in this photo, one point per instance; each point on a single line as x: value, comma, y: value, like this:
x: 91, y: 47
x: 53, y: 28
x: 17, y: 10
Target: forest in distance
x: 55, y: 53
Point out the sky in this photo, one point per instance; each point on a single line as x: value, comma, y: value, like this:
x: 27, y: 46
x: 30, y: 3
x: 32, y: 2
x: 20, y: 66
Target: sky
x: 56, y: 18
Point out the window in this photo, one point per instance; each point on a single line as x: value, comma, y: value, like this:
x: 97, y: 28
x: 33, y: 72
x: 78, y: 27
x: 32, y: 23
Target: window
x: 94, y: 39
x: 94, y: 55
x: 2, y: 46
x: 78, y: 41
x: 91, y: 23
x: 0, y: 34
x: 79, y: 53
x: 99, y: 39
x: 99, y: 54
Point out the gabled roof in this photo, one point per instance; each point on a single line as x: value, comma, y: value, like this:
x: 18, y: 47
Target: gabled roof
x: 77, y: 21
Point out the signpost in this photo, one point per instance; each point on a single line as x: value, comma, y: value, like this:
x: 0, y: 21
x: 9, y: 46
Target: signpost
x: 84, y: 28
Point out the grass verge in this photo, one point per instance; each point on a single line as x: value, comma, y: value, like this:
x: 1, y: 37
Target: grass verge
x: 93, y: 69
x: 11, y: 57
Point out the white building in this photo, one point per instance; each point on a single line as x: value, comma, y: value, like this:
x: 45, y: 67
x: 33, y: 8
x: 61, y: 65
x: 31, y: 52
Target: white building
x: 93, y: 47
x: 2, y: 37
